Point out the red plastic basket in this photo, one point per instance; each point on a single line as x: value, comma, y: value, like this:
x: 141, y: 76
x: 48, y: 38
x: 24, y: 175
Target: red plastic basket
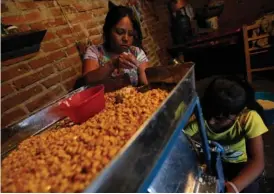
x: 83, y: 105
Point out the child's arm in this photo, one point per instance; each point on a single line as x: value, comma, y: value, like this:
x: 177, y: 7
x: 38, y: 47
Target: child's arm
x: 254, y: 167
x: 192, y: 127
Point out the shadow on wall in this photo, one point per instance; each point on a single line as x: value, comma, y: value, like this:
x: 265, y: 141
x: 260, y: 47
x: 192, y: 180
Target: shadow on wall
x: 239, y: 12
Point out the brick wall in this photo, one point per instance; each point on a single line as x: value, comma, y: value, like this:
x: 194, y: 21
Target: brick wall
x: 156, y: 20
x: 31, y: 82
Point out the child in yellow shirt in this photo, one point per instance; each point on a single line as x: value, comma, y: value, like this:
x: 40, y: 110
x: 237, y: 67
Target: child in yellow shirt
x: 229, y: 119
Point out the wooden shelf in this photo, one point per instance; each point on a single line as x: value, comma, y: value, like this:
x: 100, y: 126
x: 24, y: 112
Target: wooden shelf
x: 259, y: 37
x: 259, y: 48
x: 262, y: 69
x: 259, y: 52
x: 20, y: 44
x: 251, y: 27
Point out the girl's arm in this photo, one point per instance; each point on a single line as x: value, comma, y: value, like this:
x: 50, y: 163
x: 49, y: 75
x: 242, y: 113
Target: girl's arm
x: 254, y: 167
x: 142, y: 73
x: 93, y: 73
x: 116, y: 83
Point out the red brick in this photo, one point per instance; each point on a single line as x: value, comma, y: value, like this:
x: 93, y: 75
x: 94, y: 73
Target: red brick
x: 77, y: 60
x: 6, y: 89
x: 99, y: 12
x: 78, y: 67
x: 4, y: 8
x: 26, y: 5
x: 13, y: 72
x: 53, y: 80
x: 69, y: 10
x: 13, y: 19
x: 39, y: 62
x: 68, y: 73
x: 91, y: 24
x: 49, y: 3
x: 83, y: 7
x: 56, y: 11
x: 67, y: 41
x: 56, y: 22
x: 80, y: 17
x: 97, y: 4
x: 101, y: 20
x: 42, y: 5
x: 68, y: 62
x: 97, y: 41
x: 80, y: 7
x: 145, y: 33
x: 72, y: 50
x: 12, y: 116
x: 65, y: 2
x: 56, y: 56
x: 49, y: 36
x: 48, y: 23
x: 149, y: 20
x: 63, y: 32
x: 24, y: 28
x: 94, y: 32
x: 31, y: 78
x: 33, y: 16
x: 52, y: 46
x: 18, y: 59
x: 83, y: 35
x: 20, y: 97
x: 69, y: 84
x: 77, y: 28
x: 38, y: 26
x: 45, y: 98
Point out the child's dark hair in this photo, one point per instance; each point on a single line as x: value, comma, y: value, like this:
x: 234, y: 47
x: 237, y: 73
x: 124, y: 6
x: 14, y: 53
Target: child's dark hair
x: 115, y: 14
x: 229, y: 95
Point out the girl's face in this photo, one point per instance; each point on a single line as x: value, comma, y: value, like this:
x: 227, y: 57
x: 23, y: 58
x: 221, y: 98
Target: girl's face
x: 221, y: 123
x: 122, y: 35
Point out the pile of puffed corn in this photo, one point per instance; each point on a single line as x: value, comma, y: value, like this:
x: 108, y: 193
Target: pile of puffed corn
x: 69, y: 158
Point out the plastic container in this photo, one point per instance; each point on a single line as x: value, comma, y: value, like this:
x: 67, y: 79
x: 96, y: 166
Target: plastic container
x: 269, y: 114
x: 83, y: 105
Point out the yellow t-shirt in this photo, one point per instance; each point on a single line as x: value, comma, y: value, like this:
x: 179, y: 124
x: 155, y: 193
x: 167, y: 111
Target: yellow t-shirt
x: 248, y: 125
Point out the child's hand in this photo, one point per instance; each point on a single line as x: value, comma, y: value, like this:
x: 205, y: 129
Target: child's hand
x: 230, y: 189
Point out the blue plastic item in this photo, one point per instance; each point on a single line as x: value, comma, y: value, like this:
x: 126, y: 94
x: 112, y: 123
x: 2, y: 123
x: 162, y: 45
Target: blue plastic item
x: 269, y: 114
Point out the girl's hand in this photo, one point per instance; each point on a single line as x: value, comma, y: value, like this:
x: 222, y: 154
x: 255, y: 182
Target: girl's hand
x: 127, y: 61
x: 230, y: 189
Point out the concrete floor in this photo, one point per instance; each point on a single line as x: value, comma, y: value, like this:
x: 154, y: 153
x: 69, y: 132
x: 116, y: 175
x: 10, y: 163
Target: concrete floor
x: 266, y: 85
x: 268, y: 183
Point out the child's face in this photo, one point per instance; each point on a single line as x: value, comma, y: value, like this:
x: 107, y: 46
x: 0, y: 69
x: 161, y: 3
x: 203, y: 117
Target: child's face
x: 222, y: 122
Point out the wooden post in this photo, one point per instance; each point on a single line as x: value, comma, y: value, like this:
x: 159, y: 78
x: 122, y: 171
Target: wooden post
x: 247, y: 54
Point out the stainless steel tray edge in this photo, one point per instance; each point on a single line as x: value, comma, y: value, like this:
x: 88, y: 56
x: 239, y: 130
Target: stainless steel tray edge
x: 34, y: 124
x: 105, y: 181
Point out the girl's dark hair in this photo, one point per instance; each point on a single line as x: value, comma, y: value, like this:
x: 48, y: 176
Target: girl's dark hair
x: 229, y: 95
x: 114, y: 15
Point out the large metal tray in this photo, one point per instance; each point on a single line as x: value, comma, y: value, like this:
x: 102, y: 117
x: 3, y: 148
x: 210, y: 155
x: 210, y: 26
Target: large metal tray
x: 135, y: 162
